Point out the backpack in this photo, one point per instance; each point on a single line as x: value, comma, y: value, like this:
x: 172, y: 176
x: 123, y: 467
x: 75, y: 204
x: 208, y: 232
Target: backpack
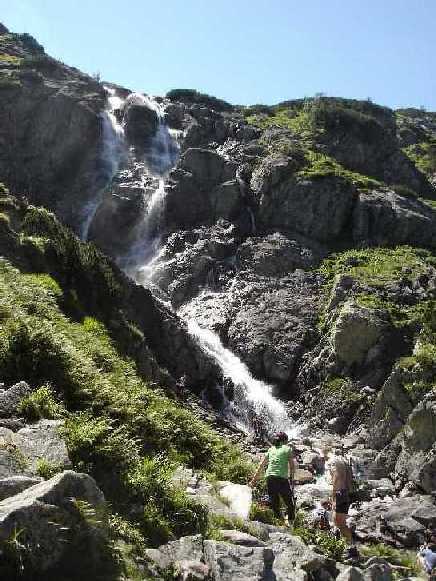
x: 352, y: 485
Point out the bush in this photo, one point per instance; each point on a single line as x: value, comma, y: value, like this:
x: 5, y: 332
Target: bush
x: 397, y: 558
x: 47, y: 469
x: 127, y: 434
x: 41, y: 404
x: 193, y: 96
x: 326, y: 542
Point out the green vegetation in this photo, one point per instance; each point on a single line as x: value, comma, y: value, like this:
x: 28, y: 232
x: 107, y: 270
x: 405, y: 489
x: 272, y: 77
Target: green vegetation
x: 9, y: 82
x: 340, y: 388
x: 314, y: 117
x: 10, y: 59
x: 193, y: 96
x: 47, y: 469
x: 320, y: 165
x: 376, y: 269
x: 423, y: 155
x: 404, y: 560
x: 378, y: 266
x: 41, y: 404
x: 128, y: 436
x: 263, y: 514
x: 326, y: 542
x: 300, y: 118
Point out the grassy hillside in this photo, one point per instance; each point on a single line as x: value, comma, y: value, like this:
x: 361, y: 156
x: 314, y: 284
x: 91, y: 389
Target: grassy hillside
x: 127, y: 433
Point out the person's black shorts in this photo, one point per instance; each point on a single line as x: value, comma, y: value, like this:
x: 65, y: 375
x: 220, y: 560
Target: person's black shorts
x: 342, y: 501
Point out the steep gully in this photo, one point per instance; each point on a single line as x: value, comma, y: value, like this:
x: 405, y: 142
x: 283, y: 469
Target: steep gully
x: 253, y: 406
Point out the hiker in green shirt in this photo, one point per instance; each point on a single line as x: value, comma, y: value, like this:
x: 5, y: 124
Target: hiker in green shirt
x: 279, y: 475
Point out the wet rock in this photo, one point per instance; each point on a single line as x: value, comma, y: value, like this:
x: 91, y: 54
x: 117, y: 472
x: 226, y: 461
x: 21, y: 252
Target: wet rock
x: 303, y: 476
x: 381, y: 488
x: 140, y: 124
x: 202, y: 190
x: 275, y: 255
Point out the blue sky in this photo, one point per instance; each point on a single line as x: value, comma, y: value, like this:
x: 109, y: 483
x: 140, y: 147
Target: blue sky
x: 245, y: 51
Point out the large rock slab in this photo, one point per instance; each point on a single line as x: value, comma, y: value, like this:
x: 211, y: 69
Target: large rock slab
x: 20, y: 452
x: 175, y: 552
x: 228, y: 562
x: 50, y: 519
x: 399, y: 520
x: 291, y: 555
x: 16, y: 484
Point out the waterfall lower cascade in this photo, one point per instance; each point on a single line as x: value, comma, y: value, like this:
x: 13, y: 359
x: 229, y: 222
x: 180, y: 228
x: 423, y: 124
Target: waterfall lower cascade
x: 252, y: 398
x: 112, y: 151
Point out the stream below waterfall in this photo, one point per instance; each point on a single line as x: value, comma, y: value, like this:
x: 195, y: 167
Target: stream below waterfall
x: 252, y: 407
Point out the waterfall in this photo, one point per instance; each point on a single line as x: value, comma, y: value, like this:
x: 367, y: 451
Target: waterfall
x: 111, y: 154
x: 160, y: 158
x: 252, y: 398
x: 253, y: 406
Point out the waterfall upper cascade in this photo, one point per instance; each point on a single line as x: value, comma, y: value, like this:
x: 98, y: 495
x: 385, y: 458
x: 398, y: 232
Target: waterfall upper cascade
x: 160, y: 157
x: 112, y: 151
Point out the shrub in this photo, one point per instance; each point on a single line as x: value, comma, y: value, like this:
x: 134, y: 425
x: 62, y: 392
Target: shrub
x: 263, y: 514
x: 378, y: 266
x: 320, y: 165
x: 326, y: 542
x: 396, y: 557
x: 47, y: 469
x: 193, y: 96
x: 41, y: 404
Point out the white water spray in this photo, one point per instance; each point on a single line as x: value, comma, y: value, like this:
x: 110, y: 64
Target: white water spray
x: 252, y: 398
x: 111, y: 155
x: 160, y: 157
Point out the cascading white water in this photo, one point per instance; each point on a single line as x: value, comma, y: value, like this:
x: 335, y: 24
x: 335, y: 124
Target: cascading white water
x: 252, y: 398
x: 253, y: 405
x: 160, y: 157
x: 111, y: 155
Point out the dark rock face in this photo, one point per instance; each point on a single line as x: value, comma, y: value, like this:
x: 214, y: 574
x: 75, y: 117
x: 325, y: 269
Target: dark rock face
x: 403, y: 521
x: 385, y: 218
x: 140, y: 123
x: 50, y: 125
x: 202, y: 190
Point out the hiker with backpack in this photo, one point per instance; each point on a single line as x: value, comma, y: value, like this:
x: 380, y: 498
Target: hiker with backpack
x: 279, y: 466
